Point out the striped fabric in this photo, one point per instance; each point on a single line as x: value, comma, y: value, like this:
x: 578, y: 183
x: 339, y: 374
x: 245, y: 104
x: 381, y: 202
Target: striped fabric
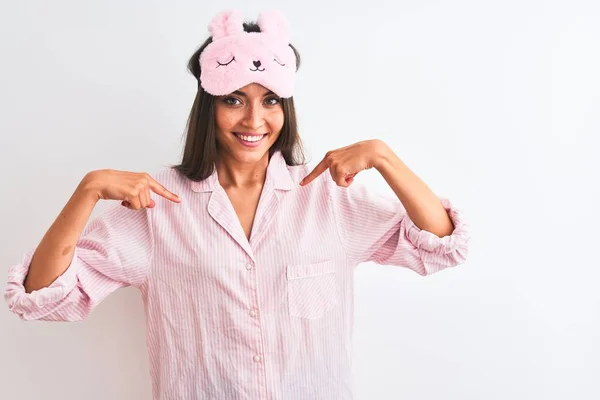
x: 227, y: 318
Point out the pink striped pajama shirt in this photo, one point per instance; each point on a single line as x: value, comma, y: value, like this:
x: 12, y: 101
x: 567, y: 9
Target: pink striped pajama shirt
x: 227, y: 318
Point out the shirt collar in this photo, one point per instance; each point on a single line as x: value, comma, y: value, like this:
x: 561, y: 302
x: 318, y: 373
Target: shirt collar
x: 278, y: 176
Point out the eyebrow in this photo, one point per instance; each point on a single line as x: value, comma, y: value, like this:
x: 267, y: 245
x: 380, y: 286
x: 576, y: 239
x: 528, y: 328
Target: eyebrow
x: 240, y: 93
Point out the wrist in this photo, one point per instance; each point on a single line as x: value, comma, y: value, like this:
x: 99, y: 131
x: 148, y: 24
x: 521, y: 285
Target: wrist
x: 384, y: 157
x: 87, y: 188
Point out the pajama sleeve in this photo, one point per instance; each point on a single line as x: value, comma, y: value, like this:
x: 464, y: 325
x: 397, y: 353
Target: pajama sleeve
x: 377, y: 228
x: 113, y: 251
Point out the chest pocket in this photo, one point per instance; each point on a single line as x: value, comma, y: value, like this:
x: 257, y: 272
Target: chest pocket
x: 312, y: 289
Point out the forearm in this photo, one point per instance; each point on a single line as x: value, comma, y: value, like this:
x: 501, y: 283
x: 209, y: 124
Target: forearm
x: 55, y: 251
x: 422, y: 205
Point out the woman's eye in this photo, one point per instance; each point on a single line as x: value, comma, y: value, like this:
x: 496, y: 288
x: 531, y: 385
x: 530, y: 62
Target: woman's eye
x: 232, y: 101
x: 272, y: 101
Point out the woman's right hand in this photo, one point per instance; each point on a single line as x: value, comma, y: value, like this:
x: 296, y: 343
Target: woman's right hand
x: 132, y: 188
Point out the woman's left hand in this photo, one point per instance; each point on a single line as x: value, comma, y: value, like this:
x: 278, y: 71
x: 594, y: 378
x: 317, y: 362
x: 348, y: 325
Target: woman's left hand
x: 346, y: 162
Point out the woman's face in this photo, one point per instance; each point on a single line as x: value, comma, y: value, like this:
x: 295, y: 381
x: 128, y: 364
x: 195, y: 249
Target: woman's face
x: 249, y: 121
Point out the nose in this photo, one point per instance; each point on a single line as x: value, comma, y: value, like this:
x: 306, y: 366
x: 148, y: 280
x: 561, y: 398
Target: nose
x: 256, y: 63
x: 254, y: 118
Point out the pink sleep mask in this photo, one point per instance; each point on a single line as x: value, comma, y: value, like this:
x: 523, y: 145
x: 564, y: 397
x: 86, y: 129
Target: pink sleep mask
x: 236, y: 58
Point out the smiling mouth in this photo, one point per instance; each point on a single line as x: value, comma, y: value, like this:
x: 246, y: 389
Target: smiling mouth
x: 257, y: 69
x: 250, y: 138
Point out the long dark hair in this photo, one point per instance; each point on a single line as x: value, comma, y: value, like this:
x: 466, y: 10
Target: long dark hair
x: 200, y: 150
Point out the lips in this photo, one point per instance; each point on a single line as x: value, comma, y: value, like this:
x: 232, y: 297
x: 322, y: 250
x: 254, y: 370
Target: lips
x: 250, y: 139
x: 249, y: 136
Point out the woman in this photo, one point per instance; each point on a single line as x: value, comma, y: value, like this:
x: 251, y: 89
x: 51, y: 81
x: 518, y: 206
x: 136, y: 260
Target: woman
x: 246, y: 273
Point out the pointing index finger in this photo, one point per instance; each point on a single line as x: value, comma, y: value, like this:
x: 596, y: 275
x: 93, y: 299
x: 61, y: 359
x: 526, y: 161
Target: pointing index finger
x: 318, y: 170
x: 162, y: 191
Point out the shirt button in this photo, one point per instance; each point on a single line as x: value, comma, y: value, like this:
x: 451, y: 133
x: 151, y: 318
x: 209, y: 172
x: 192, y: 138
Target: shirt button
x: 249, y: 266
x: 257, y: 358
x: 253, y: 313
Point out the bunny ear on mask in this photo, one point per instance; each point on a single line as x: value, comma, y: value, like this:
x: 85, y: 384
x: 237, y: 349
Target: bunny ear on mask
x: 227, y: 23
x: 275, y: 23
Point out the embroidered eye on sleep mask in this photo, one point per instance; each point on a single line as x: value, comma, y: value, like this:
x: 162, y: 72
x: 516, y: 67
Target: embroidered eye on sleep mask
x: 236, y: 58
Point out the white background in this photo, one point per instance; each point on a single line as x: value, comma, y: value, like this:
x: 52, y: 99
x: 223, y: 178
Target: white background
x: 495, y: 104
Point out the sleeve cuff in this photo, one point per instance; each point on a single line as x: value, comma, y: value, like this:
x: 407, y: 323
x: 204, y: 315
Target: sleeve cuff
x: 18, y: 299
x: 430, y: 242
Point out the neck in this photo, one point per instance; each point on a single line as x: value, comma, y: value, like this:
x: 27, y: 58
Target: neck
x: 235, y: 174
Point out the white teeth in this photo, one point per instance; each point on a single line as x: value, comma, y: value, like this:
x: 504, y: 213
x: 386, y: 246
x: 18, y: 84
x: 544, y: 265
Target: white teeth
x: 250, y: 138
